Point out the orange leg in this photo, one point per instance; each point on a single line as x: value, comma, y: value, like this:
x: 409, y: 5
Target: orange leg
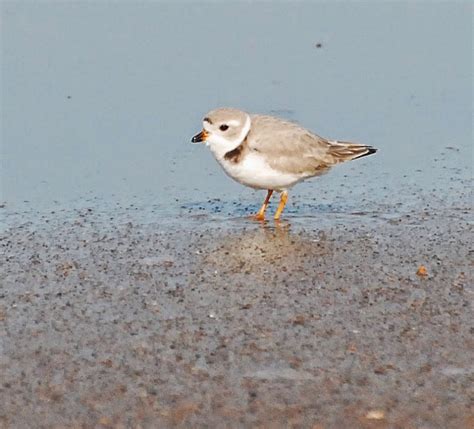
x: 261, y: 213
x: 281, y: 206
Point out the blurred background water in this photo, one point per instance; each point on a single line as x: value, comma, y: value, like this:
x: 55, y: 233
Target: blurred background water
x: 100, y: 99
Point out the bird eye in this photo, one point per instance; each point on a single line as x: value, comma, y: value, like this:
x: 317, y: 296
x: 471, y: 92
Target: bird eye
x: 223, y: 127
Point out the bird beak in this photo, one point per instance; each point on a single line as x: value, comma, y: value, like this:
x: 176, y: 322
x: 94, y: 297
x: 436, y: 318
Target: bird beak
x: 201, y: 137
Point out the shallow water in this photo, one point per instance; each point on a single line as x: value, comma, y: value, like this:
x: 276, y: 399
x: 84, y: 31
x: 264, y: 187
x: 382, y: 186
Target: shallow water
x: 99, y: 101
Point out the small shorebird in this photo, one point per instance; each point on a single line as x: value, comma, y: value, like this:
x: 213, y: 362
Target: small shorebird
x: 264, y: 152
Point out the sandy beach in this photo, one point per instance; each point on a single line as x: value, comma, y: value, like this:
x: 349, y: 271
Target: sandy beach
x: 207, y: 321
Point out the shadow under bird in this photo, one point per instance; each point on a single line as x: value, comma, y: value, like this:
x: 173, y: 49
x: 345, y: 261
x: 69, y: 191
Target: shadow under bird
x: 265, y: 152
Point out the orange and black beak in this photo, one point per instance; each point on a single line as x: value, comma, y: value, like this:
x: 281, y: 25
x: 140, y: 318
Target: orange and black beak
x: 201, y: 137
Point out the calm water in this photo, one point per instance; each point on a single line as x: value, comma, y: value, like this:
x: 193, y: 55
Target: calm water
x: 99, y: 100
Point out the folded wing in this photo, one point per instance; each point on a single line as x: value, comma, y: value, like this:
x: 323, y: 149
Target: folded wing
x: 291, y: 148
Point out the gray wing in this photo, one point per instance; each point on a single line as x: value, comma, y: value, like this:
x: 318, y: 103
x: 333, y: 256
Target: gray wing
x: 291, y: 148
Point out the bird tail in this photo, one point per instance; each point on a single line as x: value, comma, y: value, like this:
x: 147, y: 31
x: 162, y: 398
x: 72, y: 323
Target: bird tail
x: 346, y: 151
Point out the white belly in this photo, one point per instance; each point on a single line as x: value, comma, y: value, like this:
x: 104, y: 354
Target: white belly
x: 255, y: 172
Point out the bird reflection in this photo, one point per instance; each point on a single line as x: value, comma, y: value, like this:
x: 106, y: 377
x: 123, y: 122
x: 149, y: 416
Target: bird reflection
x: 253, y: 248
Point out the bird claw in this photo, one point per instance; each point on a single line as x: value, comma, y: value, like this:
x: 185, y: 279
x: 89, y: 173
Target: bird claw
x: 258, y: 217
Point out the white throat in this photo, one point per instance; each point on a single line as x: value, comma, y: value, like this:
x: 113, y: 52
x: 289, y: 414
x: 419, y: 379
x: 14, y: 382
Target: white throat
x: 219, y: 145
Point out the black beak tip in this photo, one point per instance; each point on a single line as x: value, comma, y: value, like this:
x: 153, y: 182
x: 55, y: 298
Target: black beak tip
x: 198, y: 138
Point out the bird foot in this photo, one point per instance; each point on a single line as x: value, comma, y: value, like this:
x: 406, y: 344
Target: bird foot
x: 258, y: 217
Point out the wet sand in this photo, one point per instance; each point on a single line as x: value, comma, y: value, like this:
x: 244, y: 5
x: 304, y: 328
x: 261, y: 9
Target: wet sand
x: 206, y: 321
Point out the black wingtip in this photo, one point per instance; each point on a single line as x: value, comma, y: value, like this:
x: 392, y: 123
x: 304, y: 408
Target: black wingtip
x: 370, y: 151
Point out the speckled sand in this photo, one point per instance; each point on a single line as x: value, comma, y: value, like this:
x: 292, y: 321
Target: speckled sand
x: 206, y: 321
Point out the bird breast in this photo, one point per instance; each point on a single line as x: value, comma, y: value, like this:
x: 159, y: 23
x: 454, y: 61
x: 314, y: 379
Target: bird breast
x: 251, y: 169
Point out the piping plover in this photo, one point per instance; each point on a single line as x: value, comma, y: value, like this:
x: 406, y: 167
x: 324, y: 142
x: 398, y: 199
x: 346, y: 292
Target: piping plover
x: 265, y: 152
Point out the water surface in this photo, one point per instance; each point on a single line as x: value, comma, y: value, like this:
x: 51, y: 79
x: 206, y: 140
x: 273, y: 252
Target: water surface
x: 99, y: 100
